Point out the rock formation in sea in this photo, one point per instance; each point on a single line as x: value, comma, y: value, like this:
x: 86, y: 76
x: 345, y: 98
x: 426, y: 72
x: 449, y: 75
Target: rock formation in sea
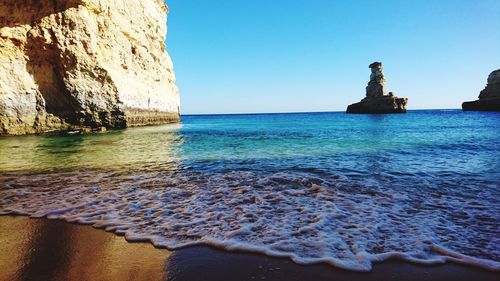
x: 489, y: 98
x: 84, y: 65
x: 376, y: 100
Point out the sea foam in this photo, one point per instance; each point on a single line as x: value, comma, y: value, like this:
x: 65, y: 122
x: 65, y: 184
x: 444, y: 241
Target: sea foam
x: 347, y: 221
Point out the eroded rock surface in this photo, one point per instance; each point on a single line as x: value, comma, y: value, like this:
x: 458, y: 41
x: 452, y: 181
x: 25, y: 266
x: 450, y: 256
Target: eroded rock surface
x: 376, y: 85
x: 489, y: 98
x: 376, y: 100
x: 84, y: 64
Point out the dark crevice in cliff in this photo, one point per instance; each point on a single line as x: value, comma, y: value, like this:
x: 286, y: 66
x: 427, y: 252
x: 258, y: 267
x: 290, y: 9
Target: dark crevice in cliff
x: 44, y: 65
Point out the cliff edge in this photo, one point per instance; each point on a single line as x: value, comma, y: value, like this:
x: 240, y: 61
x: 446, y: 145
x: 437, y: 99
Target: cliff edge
x: 489, y: 98
x: 84, y: 65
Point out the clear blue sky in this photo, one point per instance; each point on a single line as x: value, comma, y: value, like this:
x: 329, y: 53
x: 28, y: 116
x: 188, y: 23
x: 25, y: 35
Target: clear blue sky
x: 235, y: 56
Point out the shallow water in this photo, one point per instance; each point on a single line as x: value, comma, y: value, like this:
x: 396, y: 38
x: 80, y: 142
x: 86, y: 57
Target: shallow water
x: 347, y: 190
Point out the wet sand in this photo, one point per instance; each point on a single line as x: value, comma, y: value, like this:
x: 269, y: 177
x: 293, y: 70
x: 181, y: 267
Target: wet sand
x: 41, y: 249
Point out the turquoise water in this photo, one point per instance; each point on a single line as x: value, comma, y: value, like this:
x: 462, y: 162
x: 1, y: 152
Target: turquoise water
x: 347, y: 190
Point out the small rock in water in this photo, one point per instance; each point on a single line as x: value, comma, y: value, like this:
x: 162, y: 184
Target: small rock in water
x: 489, y: 98
x: 376, y: 100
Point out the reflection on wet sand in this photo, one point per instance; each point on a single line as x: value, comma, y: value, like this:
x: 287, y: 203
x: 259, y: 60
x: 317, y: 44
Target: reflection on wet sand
x: 56, y: 250
x: 43, y: 250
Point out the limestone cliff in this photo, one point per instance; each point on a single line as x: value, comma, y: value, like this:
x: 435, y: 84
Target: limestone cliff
x: 84, y: 64
x: 376, y: 100
x: 489, y: 98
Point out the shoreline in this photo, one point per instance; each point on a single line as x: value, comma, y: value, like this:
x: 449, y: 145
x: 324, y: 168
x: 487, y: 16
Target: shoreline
x: 57, y: 250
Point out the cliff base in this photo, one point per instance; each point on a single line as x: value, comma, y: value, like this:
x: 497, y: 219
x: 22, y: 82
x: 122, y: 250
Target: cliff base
x: 482, y: 105
x: 379, y: 105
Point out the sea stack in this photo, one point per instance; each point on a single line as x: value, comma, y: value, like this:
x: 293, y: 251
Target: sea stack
x: 376, y: 100
x: 84, y: 65
x: 489, y: 98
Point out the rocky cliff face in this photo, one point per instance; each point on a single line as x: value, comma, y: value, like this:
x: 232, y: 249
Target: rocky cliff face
x: 376, y: 100
x: 489, y: 98
x: 84, y: 64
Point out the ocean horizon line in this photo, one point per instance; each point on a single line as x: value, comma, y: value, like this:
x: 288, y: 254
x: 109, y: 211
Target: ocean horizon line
x: 304, y: 112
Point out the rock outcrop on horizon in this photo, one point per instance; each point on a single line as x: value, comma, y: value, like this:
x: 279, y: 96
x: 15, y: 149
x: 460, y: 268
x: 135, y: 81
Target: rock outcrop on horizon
x: 489, y: 98
x: 84, y: 65
x: 376, y: 100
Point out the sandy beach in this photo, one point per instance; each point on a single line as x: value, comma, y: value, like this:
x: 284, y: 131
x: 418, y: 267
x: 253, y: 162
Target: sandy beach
x: 41, y: 249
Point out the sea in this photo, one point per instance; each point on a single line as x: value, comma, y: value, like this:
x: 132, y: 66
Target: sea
x: 331, y: 188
